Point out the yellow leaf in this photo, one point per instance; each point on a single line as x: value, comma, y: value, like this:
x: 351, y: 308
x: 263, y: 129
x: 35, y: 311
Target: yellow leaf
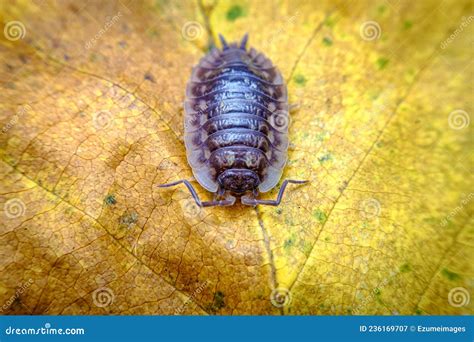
x: 92, y: 121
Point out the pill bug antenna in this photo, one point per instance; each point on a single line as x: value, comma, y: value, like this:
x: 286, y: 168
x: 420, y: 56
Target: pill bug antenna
x: 225, y: 46
x: 246, y: 200
x: 230, y: 200
x: 243, y: 42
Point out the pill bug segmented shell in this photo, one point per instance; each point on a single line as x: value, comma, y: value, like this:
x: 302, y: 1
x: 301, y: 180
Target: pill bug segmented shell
x: 236, y: 125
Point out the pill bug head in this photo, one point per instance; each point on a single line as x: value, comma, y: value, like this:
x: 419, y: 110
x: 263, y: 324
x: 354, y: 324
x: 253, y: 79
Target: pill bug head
x: 238, y: 181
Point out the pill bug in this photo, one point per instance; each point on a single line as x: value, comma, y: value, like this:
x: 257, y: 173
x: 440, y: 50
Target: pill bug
x: 236, y: 126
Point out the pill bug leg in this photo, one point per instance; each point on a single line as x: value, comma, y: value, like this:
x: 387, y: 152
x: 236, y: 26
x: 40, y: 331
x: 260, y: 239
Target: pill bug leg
x: 253, y: 201
x: 230, y: 200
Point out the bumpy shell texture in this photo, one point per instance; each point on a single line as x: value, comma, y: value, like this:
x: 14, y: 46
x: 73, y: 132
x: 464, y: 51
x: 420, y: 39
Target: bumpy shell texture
x: 236, y: 116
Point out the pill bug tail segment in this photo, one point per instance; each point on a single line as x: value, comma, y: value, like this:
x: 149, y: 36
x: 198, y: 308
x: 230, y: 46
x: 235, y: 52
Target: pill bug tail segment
x: 253, y: 201
x: 242, y: 45
x: 230, y: 200
x: 225, y: 46
x: 243, y: 42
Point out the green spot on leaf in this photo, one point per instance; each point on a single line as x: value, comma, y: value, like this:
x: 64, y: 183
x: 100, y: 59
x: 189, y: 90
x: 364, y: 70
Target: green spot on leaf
x: 382, y: 62
x: 110, y: 200
x: 327, y: 41
x: 235, y: 12
x: 289, y: 242
x: 320, y: 215
x: 450, y: 275
x: 407, y: 24
x: 128, y: 219
x: 329, y: 22
x: 300, y: 79
x: 325, y: 158
x: 405, y: 268
x: 217, y: 303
